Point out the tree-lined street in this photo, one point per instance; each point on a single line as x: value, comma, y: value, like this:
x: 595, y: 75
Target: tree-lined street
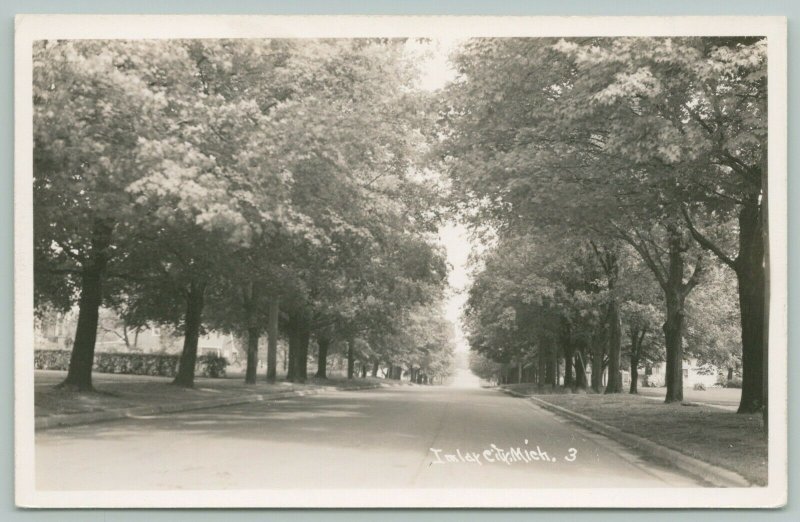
x: 572, y: 218
x: 365, y: 439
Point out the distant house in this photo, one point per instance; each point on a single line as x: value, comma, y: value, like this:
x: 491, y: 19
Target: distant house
x: 218, y: 344
x: 656, y: 374
x: 160, y: 340
x: 692, y: 374
x: 55, y: 331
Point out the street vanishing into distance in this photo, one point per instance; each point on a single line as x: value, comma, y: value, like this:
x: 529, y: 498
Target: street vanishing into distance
x: 379, y: 438
x: 312, y: 263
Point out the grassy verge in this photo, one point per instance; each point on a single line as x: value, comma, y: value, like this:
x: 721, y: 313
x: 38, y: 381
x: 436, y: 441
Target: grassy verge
x: 129, y: 391
x: 528, y: 388
x: 726, y: 439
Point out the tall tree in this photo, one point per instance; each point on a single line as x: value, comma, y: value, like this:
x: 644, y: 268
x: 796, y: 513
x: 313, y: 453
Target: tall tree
x: 93, y: 102
x: 699, y: 105
x: 570, y: 136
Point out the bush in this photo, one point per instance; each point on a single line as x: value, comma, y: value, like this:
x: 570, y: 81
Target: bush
x: 212, y: 366
x: 137, y: 364
x: 699, y: 386
x: 51, y: 359
x: 161, y: 365
x: 736, y: 382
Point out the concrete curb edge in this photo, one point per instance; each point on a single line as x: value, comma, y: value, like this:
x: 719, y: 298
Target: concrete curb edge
x: 715, y: 475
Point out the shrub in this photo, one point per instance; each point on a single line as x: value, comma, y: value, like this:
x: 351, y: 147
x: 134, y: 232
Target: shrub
x: 699, y: 386
x: 736, y: 382
x: 136, y: 363
x: 162, y: 365
x: 51, y: 359
x: 211, y: 366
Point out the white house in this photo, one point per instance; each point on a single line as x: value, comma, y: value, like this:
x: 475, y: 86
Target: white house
x: 692, y: 374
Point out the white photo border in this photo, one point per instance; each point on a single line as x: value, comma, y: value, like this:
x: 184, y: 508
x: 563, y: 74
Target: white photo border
x: 30, y: 28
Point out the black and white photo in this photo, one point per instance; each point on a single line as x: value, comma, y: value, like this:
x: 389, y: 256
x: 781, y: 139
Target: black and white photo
x: 400, y: 261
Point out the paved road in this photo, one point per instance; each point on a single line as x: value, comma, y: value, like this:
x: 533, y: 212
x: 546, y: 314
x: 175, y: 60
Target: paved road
x: 368, y: 439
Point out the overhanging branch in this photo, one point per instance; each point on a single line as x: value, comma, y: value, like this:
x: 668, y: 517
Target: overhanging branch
x: 705, y: 242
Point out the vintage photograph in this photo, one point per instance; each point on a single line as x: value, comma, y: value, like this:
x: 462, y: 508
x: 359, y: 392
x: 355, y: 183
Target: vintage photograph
x: 400, y: 263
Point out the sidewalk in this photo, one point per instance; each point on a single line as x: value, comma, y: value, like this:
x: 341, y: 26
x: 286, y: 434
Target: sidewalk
x: 722, y: 439
x: 120, y: 396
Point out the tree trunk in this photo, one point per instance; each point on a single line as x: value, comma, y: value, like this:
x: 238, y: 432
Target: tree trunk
x: 253, y: 332
x: 609, y: 260
x: 637, y: 338
x: 565, y: 340
x: 363, y: 369
x: 596, y: 351
x: 81, y: 360
x: 675, y: 296
x: 291, y: 355
x: 614, y: 347
x: 194, y: 312
x: 752, y: 271
x: 272, y: 340
x: 322, y: 357
x: 375, y: 365
x: 299, y: 337
x: 302, y: 356
x: 351, y: 358
x: 673, y: 335
x: 597, y: 373
x: 634, y: 389
x: 552, y: 353
x: 569, y: 379
x: 541, y: 365
x: 752, y: 303
x: 79, y: 375
x: 252, y: 355
x: 580, y: 371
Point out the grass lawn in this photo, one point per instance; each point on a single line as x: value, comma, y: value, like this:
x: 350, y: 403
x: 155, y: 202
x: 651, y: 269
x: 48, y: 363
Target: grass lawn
x: 727, y: 439
x: 115, y: 391
x: 724, y: 397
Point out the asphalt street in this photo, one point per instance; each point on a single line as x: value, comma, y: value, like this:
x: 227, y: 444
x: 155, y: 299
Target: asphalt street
x: 402, y: 437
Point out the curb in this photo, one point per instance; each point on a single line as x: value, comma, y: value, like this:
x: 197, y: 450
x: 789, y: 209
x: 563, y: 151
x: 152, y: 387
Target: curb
x: 715, y: 475
x: 75, y: 419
